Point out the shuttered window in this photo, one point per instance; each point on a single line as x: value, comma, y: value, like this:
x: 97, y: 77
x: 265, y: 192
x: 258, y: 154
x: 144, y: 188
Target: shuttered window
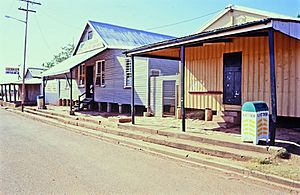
x: 100, y: 73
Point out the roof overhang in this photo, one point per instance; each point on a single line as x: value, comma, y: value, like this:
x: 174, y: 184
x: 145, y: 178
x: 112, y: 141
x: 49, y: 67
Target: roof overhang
x: 33, y: 81
x: 171, y: 49
x: 61, y: 70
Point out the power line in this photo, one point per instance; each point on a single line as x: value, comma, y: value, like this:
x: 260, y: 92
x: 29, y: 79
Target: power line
x: 184, y: 21
x: 59, y: 20
x: 43, y: 36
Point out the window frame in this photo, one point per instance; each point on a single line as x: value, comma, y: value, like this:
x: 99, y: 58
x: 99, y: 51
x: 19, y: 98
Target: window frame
x: 128, y: 74
x: 101, y: 74
x: 90, y: 35
x: 81, y: 75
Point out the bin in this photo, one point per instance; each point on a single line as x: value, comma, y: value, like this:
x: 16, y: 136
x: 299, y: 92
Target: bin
x: 64, y: 102
x: 40, y: 102
x: 255, y: 121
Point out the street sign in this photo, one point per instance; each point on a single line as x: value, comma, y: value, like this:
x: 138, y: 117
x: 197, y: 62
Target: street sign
x: 11, y: 70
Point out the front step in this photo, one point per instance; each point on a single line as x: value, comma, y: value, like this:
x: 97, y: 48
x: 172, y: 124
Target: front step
x: 84, y: 104
x: 185, y: 136
x: 142, y: 141
x: 208, y: 148
x: 229, y: 117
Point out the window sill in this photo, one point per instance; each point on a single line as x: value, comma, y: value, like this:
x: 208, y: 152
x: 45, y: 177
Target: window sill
x: 206, y: 92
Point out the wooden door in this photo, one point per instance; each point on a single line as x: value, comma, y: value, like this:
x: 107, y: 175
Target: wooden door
x: 89, y: 81
x: 232, y: 78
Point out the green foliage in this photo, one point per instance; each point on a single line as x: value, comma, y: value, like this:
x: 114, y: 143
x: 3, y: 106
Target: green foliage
x: 65, y: 53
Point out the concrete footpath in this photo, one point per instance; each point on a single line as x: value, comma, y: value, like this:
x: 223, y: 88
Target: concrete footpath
x: 204, y: 144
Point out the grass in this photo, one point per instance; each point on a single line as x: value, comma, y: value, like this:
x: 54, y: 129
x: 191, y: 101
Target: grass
x: 281, y: 167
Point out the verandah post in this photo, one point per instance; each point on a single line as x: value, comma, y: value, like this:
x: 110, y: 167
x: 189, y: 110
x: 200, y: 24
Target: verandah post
x: 182, y: 57
x: 44, y: 93
x: 71, y: 95
x: 132, y: 91
x: 272, y: 87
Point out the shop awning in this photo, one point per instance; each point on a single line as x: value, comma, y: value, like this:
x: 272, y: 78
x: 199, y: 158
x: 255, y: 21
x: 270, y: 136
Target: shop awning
x: 59, y: 71
x: 170, y: 49
x: 32, y: 81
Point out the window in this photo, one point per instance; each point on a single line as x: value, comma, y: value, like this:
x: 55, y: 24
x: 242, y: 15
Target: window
x: 155, y: 72
x: 127, y: 76
x: 81, y: 74
x: 90, y: 35
x: 100, y: 73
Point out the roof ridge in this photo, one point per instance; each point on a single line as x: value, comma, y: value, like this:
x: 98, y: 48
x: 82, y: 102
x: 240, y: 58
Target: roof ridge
x: 261, y: 12
x: 123, y: 27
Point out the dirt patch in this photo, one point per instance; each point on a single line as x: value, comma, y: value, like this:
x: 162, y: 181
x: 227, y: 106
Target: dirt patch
x: 281, y: 167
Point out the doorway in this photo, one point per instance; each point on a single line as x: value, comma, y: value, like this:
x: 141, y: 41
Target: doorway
x: 169, y: 97
x: 89, y: 82
x: 232, y: 78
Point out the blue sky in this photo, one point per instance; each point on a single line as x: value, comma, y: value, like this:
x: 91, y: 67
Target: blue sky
x: 58, y: 22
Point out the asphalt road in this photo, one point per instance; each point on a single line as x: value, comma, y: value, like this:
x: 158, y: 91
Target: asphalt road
x: 37, y: 158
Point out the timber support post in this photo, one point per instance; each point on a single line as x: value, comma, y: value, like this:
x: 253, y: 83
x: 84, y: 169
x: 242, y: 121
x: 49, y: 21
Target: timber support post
x: 182, y: 57
x: 71, y: 92
x: 1, y: 92
x: 5, y: 91
x: 15, y: 94
x: 9, y: 91
x: 132, y: 91
x: 44, y: 93
x: 272, y: 87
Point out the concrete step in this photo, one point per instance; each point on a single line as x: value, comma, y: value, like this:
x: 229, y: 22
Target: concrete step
x: 185, y: 136
x: 232, y: 119
x: 204, y: 139
x: 160, y: 139
x: 232, y: 113
x: 197, y: 159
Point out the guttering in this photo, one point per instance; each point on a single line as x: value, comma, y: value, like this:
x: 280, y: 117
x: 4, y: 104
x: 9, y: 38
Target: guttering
x: 258, y: 25
x: 247, y: 27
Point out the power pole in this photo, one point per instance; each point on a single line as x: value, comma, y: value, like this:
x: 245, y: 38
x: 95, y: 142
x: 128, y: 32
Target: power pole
x: 27, y: 10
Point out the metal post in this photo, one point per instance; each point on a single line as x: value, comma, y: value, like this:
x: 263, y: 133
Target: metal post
x: 9, y: 91
x: 132, y: 91
x: 272, y: 87
x: 71, y: 97
x: 24, y: 63
x: 182, y: 57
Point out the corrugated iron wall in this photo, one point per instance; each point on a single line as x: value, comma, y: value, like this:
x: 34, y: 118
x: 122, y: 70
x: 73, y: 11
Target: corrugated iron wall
x: 204, y: 73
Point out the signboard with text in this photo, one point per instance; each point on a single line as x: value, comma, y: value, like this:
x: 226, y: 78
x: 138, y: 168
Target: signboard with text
x: 11, y: 70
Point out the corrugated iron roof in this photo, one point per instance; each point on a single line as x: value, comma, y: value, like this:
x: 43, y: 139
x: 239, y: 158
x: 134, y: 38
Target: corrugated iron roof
x: 119, y: 37
x: 65, y: 66
x: 36, y: 72
x: 230, y: 8
x: 32, y: 81
x: 204, y: 34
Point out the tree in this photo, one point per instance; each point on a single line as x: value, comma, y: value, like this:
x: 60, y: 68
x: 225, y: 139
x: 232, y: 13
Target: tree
x: 61, y: 56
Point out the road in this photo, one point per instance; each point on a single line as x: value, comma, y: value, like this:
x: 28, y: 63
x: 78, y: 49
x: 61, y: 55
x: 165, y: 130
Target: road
x: 37, y: 158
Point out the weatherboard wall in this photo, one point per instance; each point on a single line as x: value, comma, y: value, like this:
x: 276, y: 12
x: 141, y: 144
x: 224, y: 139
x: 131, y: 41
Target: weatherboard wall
x: 204, y: 73
x: 114, y: 90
